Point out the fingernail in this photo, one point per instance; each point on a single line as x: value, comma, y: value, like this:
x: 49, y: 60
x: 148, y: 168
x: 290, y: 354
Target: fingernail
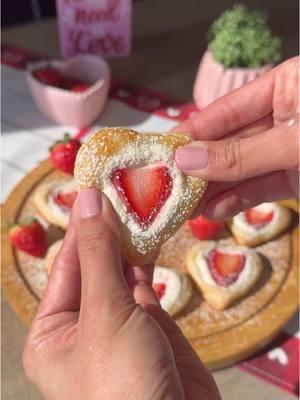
x: 191, y: 158
x: 89, y: 202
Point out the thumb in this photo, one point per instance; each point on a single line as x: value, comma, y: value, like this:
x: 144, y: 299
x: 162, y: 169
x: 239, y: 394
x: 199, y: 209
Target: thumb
x: 239, y: 158
x: 104, y: 288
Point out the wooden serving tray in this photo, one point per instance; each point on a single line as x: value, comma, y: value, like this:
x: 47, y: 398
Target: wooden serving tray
x: 218, y: 344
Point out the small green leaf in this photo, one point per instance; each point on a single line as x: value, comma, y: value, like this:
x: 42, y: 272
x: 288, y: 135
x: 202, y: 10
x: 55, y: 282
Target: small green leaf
x: 67, y: 137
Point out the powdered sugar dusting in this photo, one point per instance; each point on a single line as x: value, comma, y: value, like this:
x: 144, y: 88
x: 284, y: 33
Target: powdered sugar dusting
x: 60, y: 187
x: 280, y: 220
x: 178, y: 289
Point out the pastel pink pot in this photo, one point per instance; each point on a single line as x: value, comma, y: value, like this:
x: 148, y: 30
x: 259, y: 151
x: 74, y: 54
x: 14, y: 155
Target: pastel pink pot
x: 65, y: 107
x: 213, y: 80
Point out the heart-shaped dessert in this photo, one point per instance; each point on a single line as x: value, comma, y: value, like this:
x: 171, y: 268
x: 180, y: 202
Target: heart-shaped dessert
x: 223, y: 273
x: 54, y: 201
x: 260, y: 224
x: 75, y: 108
x: 173, y: 289
x: 138, y: 174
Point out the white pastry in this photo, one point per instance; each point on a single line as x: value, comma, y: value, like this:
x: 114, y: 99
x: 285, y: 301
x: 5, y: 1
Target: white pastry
x: 260, y: 224
x: 223, y: 273
x: 54, y: 201
x: 173, y: 289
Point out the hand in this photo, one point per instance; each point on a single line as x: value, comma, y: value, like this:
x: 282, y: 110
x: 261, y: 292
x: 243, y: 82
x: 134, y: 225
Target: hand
x: 99, y: 332
x: 247, y: 144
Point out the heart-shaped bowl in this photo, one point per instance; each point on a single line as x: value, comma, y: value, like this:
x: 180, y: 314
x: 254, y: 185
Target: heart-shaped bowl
x: 65, y: 107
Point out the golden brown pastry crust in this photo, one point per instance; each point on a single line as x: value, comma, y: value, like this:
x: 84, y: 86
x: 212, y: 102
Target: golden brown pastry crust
x: 119, y: 147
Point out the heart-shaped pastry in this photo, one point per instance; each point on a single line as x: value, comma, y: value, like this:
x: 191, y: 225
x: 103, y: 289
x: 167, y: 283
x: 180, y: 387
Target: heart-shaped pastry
x: 260, y: 224
x: 223, y: 273
x: 173, y: 289
x: 54, y: 201
x: 138, y: 174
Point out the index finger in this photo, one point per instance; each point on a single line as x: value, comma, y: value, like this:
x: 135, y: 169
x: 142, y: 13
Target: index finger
x: 233, y: 111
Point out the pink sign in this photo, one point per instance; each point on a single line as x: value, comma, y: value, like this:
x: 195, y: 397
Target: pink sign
x: 94, y: 26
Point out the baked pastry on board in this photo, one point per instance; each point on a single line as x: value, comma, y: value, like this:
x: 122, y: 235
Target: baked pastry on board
x: 199, y: 318
x: 260, y: 224
x: 223, y: 273
x: 54, y: 200
x: 173, y: 289
x: 137, y: 172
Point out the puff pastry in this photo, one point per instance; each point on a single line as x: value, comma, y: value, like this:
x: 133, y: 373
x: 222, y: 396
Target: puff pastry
x: 223, y: 273
x: 54, y: 201
x: 138, y: 174
x: 173, y: 289
x: 260, y: 224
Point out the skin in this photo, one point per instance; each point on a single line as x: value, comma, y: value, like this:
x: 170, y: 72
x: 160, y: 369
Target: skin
x: 252, y: 139
x: 100, y: 332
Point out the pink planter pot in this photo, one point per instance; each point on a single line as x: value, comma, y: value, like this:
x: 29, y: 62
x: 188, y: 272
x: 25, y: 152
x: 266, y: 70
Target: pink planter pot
x: 213, y: 80
x: 67, y: 108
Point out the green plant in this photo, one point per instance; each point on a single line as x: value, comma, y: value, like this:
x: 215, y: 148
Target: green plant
x: 240, y: 38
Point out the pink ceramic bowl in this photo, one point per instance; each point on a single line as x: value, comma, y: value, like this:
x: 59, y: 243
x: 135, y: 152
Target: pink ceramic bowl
x: 68, y: 108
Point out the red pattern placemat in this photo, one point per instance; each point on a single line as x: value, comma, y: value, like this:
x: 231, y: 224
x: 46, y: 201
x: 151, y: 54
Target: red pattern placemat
x: 279, y: 363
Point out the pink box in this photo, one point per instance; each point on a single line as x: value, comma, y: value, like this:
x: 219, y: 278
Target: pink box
x: 94, y: 27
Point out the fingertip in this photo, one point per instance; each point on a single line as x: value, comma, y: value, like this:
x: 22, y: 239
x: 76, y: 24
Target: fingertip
x: 92, y: 202
x: 191, y: 157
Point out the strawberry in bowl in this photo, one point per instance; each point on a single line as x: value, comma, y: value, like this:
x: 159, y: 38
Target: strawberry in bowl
x: 78, y: 95
x: 48, y: 76
x: 52, y: 77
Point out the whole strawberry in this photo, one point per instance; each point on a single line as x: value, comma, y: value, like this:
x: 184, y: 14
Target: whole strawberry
x: 204, y: 229
x: 80, y: 88
x: 48, y: 76
x: 63, y: 154
x: 29, y: 236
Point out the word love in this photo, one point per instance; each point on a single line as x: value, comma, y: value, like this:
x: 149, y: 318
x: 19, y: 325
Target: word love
x: 85, y: 42
x: 99, y: 27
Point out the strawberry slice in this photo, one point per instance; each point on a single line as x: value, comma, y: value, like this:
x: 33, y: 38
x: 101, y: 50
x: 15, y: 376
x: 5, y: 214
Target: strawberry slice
x: 65, y: 199
x: 258, y: 218
x: 29, y: 236
x: 160, y: 289
x: 225, y: 268
x: 144, y: 190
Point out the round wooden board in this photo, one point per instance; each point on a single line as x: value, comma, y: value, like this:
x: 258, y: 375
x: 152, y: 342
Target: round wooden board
x: 216, y: 350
